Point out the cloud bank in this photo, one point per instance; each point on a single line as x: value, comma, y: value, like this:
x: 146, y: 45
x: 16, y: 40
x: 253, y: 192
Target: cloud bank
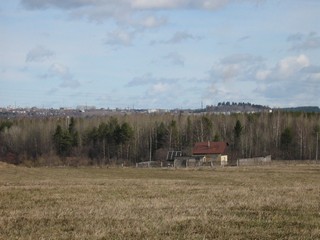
x: 129, y: 4
x: 304, y: 42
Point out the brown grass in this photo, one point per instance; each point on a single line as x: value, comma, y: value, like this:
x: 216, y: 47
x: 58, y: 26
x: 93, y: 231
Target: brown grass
x: 270, y: 202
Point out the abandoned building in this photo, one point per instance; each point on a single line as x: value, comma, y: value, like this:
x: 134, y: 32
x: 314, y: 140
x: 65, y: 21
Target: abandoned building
x: 203, y: 154
x: 211, y: 153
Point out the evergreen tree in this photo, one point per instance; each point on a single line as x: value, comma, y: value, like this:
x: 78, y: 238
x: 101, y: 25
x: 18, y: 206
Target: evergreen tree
x: 5, y: 125
x: 285, y: 141
x: 161, y: 133
x: 286, y: 138
x: 237, y: 130
x: 73, y: 133
x: 63, y: 142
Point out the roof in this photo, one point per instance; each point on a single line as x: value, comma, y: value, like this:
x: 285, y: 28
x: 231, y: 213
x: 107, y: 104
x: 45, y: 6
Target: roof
x: 204, y: 148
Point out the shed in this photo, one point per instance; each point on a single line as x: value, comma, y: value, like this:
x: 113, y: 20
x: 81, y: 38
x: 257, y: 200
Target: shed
x: 172, y: 155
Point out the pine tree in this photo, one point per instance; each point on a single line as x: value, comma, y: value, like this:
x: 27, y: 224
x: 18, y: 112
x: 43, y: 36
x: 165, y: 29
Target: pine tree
x: 285, y: 141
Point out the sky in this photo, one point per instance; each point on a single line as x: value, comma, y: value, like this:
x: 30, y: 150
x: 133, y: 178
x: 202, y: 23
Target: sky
x: 159, y: 53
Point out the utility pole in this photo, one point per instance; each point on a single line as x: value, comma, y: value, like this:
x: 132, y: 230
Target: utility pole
x: 317, y: 146
x: 150, y: 152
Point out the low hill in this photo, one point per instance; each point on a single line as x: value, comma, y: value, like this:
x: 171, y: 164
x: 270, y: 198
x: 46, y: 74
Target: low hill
x: 307, y: 109
x: 237, y: 107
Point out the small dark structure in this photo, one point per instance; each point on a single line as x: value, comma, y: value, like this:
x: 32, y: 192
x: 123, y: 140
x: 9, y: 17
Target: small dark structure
x: 172, y: 155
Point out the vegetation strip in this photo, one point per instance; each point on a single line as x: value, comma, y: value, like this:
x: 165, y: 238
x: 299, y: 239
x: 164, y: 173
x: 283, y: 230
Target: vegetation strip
x: 272, y: 202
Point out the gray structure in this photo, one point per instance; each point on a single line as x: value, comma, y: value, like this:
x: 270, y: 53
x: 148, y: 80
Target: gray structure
x: 254, y: 161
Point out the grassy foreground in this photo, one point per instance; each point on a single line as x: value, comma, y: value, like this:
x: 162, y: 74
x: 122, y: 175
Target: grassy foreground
x: 272, y: 202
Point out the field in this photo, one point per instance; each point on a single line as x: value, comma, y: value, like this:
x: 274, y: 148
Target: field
x: 270, y: 202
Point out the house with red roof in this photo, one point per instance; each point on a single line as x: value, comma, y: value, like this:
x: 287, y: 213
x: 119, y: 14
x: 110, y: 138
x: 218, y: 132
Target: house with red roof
x: 211, y: 152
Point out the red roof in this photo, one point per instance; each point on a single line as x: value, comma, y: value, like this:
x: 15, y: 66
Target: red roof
x: 205, y: 148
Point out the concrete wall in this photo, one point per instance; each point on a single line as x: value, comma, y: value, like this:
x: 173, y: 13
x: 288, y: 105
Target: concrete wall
x: 148, y: 164
x: 191, y: 162
x: 183, y: 162
x: 254, y: 161
x: 180, y: 162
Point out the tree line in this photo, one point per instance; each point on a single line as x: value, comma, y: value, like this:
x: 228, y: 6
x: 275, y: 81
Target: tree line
x: 140, y: 137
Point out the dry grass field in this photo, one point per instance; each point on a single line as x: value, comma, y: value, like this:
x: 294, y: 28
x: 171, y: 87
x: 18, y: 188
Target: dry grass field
x: 270, y: 202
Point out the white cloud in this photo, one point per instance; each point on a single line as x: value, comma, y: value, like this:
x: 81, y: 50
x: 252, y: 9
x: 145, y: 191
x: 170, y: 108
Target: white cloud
x: 120, y: 37
x: 52, y: 91
x: 182, y: 4
x: 70, y: 83
x: 62, y: 4
x: 293, y: 81
x: 131, y: 27
x: 172, y: 22
x: 160, y: 4
x: 181, y: 36
x: 262, y: 74
x: 62, y: 72
x: 240, y: 67
x: 175, y: 58
x: 290, y: 65
x: 141, y: 81
x: 125, y: 11
x: 159, y: 88
x: 39, y: 54
x: 240, y: 59
x: 302, y: 42
x: 148, y: 79
x: 311, y: 69
x: 244, y: 38
x: 295, y: 37
x: 218, y: 90
x: 132, y: 4
x: 157, y: 91
x: 151, y: 22
x: 177, y: 37
x: 131, y: 17
x: 287, y: 69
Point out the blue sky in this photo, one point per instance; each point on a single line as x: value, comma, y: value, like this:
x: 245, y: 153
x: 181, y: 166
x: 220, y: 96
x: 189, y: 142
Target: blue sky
x: 159, y: 54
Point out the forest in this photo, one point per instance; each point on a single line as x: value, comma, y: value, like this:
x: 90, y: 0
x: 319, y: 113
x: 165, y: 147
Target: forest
x: 131, y: 138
